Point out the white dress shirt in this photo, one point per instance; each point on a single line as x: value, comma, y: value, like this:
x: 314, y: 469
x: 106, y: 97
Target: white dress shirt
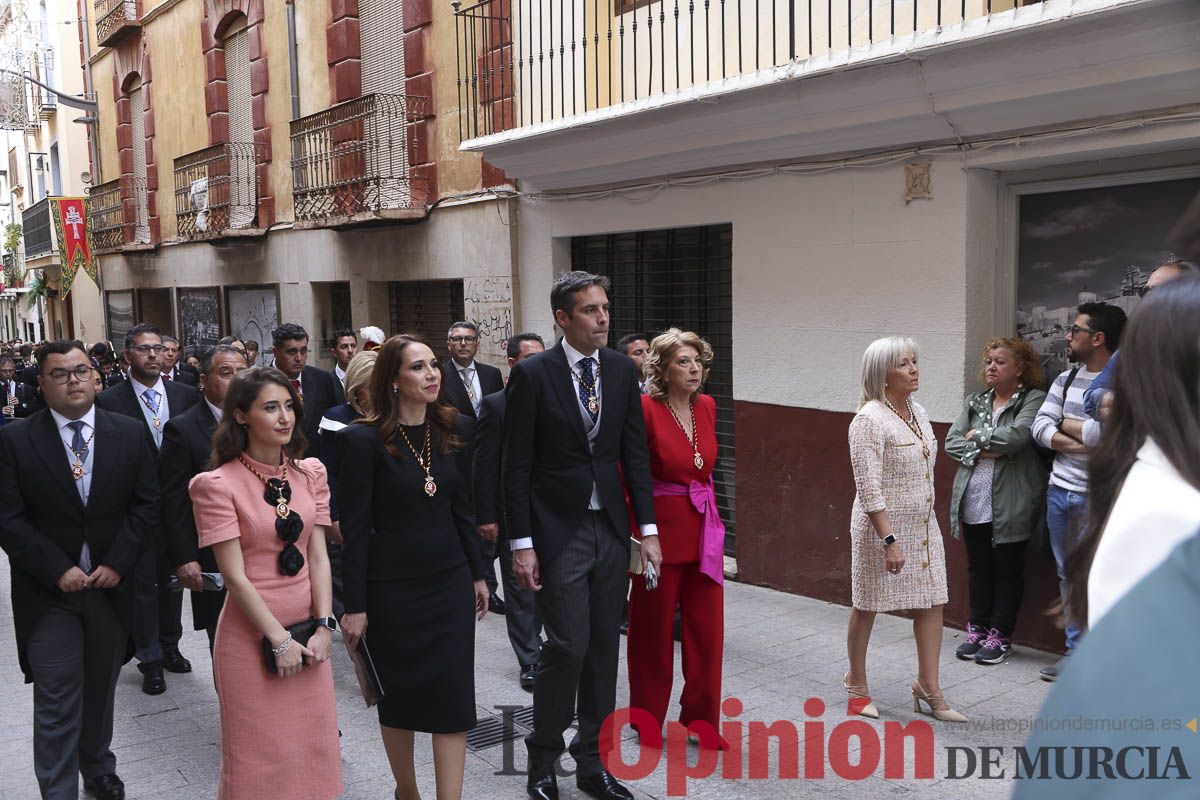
x: 594, y: 504
x: 216, y: 410
x: 164, y: 411
x: 84, y: 484
x: 340, y: 374
x: 1155, y: 511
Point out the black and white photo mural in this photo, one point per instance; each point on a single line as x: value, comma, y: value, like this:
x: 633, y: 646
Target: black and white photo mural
x: 1085, y: 245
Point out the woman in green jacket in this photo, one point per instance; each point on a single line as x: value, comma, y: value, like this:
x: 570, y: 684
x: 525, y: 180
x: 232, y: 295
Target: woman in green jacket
x: 998, y: 492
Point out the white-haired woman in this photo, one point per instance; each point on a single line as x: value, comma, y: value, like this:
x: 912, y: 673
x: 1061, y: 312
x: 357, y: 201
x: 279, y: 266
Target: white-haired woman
x: 896, y: 556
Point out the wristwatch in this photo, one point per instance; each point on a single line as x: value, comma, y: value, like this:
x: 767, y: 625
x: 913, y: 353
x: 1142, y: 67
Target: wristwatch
x: 889, y: 539
x: 327, y: 622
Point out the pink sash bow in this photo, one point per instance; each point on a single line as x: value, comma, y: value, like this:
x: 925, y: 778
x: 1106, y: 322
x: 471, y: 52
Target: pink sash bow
x: 712, y: 539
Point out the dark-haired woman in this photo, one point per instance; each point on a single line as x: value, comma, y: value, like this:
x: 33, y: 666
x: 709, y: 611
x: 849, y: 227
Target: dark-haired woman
x: 263, y: 511
x: 1145, y: 473
x: 411, y: 563
x: 998, y: 492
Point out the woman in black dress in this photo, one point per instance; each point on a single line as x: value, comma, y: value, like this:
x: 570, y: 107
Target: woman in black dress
x: 411, y: 561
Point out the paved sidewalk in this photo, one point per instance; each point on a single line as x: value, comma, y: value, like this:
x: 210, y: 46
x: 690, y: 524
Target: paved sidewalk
x: 780, y: 651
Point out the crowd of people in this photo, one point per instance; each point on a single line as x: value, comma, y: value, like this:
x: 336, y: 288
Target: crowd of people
x: 377, y: 497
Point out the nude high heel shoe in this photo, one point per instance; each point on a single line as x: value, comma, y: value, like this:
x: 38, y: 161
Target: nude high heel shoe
x: 939, y: 709
x: 860, y: 693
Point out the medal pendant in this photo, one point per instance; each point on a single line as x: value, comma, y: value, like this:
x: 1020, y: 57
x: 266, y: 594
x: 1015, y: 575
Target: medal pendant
x: 282, y: 510
x: 430, y: 486
x: 157, y: 423
x: 77, y: 471
x: 698, y: 460
x: 593, y: 406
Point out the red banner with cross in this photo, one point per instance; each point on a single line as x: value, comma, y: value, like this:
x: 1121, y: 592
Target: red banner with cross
x: 74, y: 238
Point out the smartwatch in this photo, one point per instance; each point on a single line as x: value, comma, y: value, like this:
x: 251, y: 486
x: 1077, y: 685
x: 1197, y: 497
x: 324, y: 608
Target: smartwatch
x: 327, y: 622
x: 889, y: 539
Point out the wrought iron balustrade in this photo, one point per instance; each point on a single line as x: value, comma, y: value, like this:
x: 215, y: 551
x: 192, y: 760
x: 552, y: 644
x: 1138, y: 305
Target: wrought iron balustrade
x: 355, y: 157
x: 115, y: 19
x: 526, y: 62
x: 38, y: 229
x: 106, y: 216
x: 216, y: 189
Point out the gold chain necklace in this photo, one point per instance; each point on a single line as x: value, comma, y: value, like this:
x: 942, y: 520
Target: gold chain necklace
x: 281, y: 503
x: 77, y: 464
x: 425, y: 461
x: 693, y: 440
x: 911, y: 422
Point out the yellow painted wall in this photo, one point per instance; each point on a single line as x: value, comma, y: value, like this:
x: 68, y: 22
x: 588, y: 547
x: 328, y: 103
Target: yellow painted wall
x: 457, y: 171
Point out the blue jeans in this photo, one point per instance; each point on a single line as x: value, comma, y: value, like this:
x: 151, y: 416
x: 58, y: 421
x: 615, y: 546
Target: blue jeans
x: 1066, y: 515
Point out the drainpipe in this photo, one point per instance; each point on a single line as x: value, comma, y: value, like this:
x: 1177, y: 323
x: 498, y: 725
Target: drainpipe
x: 293, y: 61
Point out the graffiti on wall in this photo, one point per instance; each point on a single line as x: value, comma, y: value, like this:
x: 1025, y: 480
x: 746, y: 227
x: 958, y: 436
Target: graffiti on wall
x: 488, y: 302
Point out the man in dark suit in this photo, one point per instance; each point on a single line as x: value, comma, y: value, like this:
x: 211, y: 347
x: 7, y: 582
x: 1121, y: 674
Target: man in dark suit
x: 345, y: 345
x: 465, y: 382
x: 186, y: 447
x: 19, y: 400
x: 521, y: 617
x: 574, y: 426
x: 172, y: 370
x: 150, y: 400
x: 636, y: 346
x: 78, y: 497
x: 289, y: 343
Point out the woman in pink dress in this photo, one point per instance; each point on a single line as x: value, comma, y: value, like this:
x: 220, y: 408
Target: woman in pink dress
x: 263, y: 511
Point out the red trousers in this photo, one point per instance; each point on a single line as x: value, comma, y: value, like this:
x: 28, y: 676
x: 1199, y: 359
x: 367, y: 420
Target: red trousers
x: 651, y: 648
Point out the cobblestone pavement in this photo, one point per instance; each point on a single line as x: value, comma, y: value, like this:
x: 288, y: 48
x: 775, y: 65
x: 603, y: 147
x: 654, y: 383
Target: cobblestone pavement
x: 780, y: 650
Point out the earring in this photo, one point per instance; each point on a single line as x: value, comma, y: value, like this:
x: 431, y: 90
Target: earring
x: 395, y: 389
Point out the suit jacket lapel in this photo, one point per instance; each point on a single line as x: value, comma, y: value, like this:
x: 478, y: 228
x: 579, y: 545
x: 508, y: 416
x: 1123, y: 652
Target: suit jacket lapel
x: 104, y: 457
x: 564, y: 388
x: 49, y: 447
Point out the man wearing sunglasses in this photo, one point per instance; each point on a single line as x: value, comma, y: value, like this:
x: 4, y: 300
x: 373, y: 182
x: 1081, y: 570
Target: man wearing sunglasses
x: 78, y: 501
x: 1062, y: 425
x: 150, y: 400
x: 1096, y: 400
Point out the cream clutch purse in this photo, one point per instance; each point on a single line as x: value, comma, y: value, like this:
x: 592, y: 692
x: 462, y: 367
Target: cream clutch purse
x: 636, y: 565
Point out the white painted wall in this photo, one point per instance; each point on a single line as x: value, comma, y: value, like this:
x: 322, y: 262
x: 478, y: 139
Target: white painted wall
x: 822, y: 265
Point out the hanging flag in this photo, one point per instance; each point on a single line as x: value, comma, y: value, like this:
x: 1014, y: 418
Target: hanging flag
x: 75, y: 247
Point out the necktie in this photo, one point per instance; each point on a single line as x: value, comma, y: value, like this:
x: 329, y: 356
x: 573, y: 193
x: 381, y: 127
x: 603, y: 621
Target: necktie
x: 79, y: 446
x: 166, y: 376
x: 296, y: 383
x: 587, y: 388
x: 153, y: 401
x: 468, y: 377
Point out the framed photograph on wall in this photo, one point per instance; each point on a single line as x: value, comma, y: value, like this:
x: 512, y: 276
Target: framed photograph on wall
x: 1098, y: 243
x: 118, y: 308
x: 199, y: 316
x: 253, y: 314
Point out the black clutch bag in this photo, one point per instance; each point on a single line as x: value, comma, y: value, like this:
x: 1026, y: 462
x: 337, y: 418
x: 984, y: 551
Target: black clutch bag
x: 301, y: 632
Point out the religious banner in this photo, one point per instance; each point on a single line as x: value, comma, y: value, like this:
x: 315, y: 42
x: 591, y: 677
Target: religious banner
x: 75, y: 249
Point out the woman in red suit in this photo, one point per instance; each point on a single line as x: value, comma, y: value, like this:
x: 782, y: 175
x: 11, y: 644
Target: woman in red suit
x: 681, y: 434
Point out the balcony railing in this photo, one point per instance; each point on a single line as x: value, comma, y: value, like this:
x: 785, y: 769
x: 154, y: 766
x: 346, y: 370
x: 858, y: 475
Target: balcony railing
x: 115, y: 19
x: 352, y: 160
x: 526, y: 62
x: 106, y: 216
x: 216, y: 190
x: 38, y: 230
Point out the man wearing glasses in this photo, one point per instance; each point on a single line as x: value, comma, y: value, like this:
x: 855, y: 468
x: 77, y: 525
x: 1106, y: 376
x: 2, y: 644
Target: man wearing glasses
x: 1062, y: 425
x: 150, y: 400
x: 78, y: 502
x: 1097, y: 399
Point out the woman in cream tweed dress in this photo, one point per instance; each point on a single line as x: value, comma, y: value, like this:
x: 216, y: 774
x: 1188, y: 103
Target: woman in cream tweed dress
x: 896, y: 556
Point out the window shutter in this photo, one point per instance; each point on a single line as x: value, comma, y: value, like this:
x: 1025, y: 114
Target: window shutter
x: 426, y: 308
x: 381, y: 34
x: 137, y: 116
x: 241, y: 129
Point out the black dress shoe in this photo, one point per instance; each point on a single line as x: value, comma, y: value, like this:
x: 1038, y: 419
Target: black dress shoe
x: 105, y: 787
x: 603, y: 786
x: 153, y: 681
x: 527, y: 676
x: 542, y: 787
x: 496, y: 605
x: 174, y: 661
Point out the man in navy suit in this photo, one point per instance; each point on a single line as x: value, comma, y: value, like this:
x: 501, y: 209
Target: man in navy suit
x: 78, y: 498
x: 316, y: 386
x: 150, y: 400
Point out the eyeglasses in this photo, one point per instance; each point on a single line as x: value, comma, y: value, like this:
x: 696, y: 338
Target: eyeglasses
x: 463, y: 339
x: 147, y: 349
x: 62, y: 376
x: 1080, y: 329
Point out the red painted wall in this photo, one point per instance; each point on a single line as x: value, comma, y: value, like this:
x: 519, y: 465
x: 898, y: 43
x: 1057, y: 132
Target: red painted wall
x: 795, y: 488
